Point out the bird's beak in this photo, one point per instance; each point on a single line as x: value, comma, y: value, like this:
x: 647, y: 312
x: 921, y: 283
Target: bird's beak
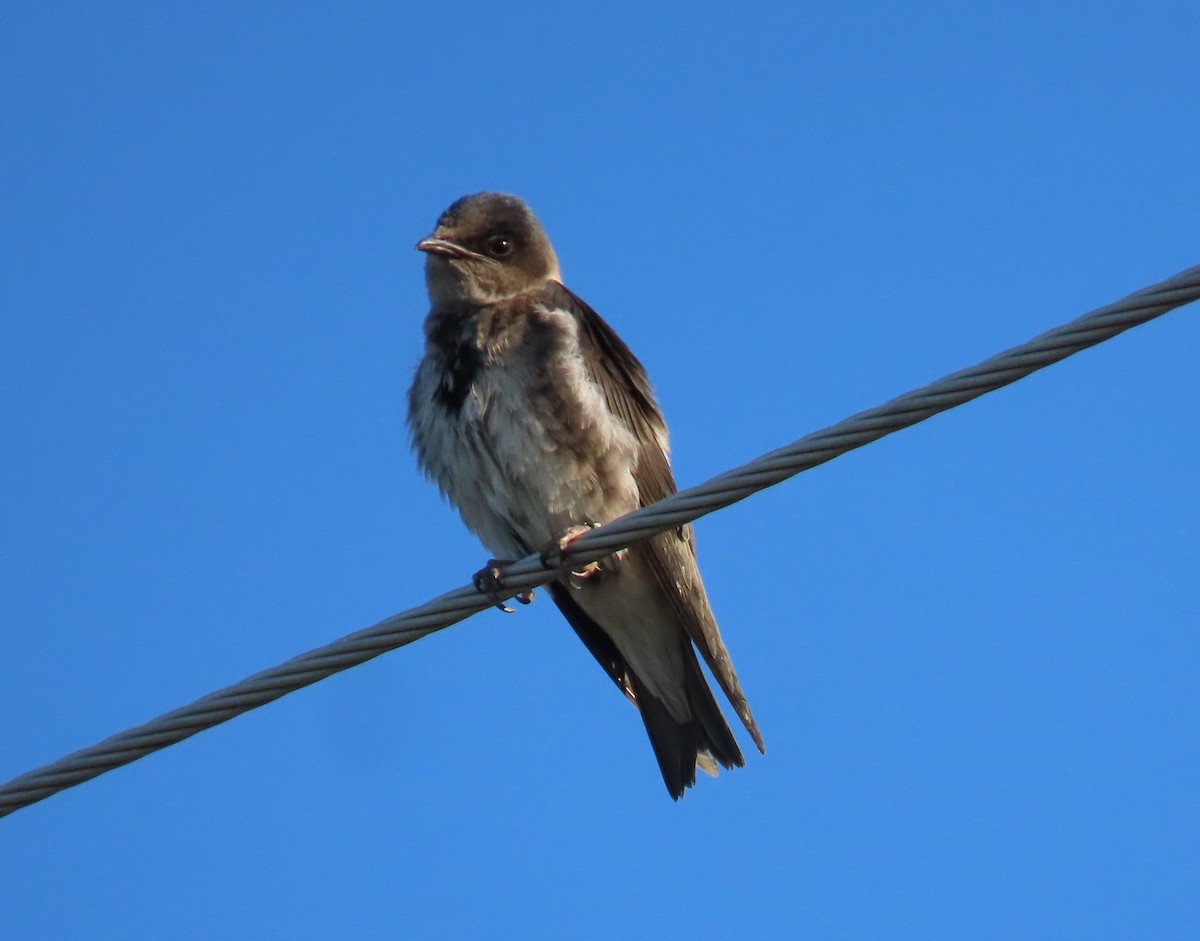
x: 436, y: 246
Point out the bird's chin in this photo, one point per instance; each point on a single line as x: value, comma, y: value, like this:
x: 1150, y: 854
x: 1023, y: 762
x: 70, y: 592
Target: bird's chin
x: 444, y: 283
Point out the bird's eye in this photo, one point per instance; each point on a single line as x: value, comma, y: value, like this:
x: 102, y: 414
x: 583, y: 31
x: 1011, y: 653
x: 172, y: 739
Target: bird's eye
x: 499, y: 246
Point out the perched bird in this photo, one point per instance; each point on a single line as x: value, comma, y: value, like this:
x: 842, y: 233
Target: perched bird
x: 537, y: 422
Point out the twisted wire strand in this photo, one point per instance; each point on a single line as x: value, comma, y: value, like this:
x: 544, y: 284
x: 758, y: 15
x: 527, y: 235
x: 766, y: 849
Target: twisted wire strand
x: 675, y: 510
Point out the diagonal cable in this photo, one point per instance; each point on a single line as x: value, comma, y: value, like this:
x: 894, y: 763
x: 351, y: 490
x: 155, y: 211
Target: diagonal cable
x: 675, y: 510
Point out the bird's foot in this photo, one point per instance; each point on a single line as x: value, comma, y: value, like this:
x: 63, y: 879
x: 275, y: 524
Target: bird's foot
x: 552, y: 554
x: 487, y: 582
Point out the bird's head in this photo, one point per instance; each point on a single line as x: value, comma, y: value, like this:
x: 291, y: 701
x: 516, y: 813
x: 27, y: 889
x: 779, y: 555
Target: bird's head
x: 486, y: 248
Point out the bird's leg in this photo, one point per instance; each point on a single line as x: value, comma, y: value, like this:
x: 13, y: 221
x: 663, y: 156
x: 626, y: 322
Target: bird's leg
x: 552, y: 554
x: 487, y: 582
x: 553, y: 551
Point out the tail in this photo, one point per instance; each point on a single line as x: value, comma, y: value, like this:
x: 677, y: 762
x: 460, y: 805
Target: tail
x: 677, y: 745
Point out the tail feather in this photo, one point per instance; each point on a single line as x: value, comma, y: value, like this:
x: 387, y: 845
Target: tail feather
x: 678, y: 746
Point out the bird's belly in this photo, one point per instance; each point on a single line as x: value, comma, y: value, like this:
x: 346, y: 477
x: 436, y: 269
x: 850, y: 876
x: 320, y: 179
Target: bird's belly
x: 528, y: 464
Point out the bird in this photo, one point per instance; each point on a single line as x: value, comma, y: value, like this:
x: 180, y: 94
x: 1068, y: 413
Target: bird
x: 537, y: 423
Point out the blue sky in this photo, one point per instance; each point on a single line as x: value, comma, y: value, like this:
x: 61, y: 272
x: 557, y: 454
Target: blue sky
x: 972, y: 647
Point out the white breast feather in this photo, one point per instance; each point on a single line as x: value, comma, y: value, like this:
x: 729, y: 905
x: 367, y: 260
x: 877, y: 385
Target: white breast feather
x: 504, y: 471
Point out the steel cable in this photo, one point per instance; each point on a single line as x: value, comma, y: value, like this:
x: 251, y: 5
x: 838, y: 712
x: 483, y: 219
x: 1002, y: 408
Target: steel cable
x: 677, y: 509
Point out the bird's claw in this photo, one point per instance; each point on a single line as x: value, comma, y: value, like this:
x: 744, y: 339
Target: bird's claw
x: 552, y: 553
x: 487, y: 582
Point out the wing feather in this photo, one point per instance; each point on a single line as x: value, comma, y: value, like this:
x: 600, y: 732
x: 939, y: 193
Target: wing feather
x: 671, y: 556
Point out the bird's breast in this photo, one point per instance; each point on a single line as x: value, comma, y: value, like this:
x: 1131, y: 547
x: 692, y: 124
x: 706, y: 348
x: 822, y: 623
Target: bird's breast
x: 520, y: 437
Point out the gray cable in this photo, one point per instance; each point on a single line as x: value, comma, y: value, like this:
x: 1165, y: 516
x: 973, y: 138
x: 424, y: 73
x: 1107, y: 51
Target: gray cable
x: 682, y: 507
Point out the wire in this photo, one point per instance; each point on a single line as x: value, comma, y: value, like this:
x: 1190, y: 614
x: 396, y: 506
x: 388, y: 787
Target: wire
x: 675, y: 510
